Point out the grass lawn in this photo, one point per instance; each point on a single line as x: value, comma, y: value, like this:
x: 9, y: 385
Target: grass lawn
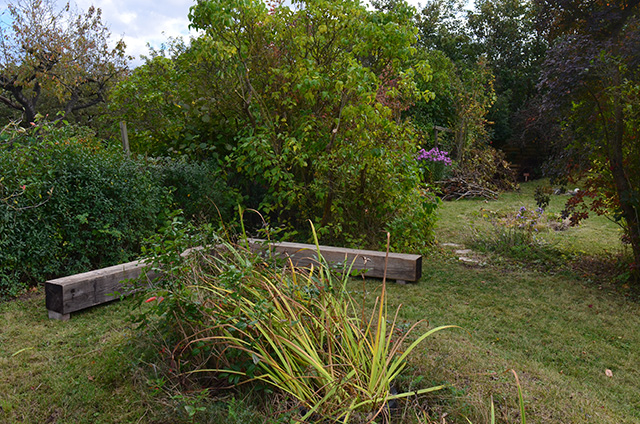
x: 559, y: 327
x: 79, y: 371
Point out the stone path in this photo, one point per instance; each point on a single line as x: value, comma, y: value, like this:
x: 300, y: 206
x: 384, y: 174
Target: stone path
x: 466, y: 256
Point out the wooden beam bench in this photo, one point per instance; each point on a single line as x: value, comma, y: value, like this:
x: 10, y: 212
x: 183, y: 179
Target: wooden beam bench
x: 80, y: 291
x: 401, y: 267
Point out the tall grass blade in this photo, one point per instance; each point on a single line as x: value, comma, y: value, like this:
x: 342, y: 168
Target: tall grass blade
x: 523, y: 419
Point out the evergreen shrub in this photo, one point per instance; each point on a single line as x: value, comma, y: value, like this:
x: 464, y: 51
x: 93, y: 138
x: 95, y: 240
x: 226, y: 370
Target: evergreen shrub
x: 199, y: 189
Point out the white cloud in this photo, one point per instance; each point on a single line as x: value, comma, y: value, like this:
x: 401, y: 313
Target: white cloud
x: 142, y: 22
x: 128, y: 18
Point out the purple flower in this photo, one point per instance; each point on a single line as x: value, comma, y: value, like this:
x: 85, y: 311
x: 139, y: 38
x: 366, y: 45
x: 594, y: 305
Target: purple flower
x: 434, y: 155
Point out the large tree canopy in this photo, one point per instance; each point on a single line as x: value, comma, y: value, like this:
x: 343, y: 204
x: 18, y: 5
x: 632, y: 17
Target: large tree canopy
x: 462, y: 79
x: 504, y: 30
x: 55, y: 60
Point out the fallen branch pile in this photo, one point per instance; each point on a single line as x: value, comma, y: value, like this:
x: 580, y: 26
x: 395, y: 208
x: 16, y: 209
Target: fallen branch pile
x: 457, y: 188
x: 483, y: 173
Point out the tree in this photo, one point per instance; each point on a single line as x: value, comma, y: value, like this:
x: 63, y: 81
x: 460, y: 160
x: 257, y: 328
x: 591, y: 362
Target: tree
x: 57, y: 56
x: 443, y: 26
x: 149, y: 100
x: 504, y: 31
x: 314, y: 95
x: 178, y: 103
x: 461, y: 78
x: 591, y: 84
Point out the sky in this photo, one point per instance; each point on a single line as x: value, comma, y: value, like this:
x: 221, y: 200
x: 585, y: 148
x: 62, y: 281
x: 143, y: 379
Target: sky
x: 139, y: 22
x: 142, y: 22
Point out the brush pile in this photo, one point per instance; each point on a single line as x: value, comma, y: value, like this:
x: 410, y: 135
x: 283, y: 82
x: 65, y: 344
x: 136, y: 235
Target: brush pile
x: 483, y: 173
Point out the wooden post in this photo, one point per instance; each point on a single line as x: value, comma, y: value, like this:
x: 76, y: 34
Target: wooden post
x: 436, y: 129
x: 125, y: 138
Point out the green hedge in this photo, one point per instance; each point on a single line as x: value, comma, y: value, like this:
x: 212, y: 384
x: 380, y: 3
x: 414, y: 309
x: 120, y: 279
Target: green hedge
x: 69, y: 204
x: 199, y: 189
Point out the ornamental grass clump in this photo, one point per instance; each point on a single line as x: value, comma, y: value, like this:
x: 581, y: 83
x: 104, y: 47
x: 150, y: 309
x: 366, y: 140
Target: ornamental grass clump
x: 246, y: 319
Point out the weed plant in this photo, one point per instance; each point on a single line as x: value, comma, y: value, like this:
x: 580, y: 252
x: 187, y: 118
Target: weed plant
x: 518, y: 235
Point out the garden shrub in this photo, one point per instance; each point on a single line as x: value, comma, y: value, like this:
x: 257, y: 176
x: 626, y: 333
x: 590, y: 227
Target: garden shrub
x: 542, y: 196
x: 69, y: 204
x: 380, y: 194
x: 319, y: 136
x: 199, y: 189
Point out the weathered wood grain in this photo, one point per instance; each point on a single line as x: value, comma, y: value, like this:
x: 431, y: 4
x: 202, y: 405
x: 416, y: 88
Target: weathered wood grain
x: 400, y: 267
x: 80, y: 291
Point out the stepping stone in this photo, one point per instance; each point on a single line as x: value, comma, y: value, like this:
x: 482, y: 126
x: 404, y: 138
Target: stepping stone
x: 463, y: 252
x: 450, y: 245
x: 469, y: 261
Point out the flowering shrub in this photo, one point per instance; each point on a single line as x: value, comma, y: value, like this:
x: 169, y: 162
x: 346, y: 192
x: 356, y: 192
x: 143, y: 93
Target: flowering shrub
x: 433, y: 164
x: 434, y: 155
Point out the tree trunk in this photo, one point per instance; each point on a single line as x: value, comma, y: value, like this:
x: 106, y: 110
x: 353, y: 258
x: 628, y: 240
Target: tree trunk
x: 622, y: 184
x: 24, y: 104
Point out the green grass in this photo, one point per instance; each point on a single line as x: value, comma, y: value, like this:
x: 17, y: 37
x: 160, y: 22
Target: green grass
x: 72, y: 372
x: 594, y: 236
x: 559, y: 336
x: 559, y: 328
x: 95, y: 369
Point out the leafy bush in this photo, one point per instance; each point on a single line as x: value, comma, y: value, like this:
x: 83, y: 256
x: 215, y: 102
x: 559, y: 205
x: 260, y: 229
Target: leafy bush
x: 319, y: 134
x: 199, y: 189
x: 542, y: 196
x: 69, y: 204
x: 365, y: 201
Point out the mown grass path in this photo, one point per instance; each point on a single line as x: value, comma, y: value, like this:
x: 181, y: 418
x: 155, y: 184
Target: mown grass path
x: 558, y: 328
x: 67, y: 372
